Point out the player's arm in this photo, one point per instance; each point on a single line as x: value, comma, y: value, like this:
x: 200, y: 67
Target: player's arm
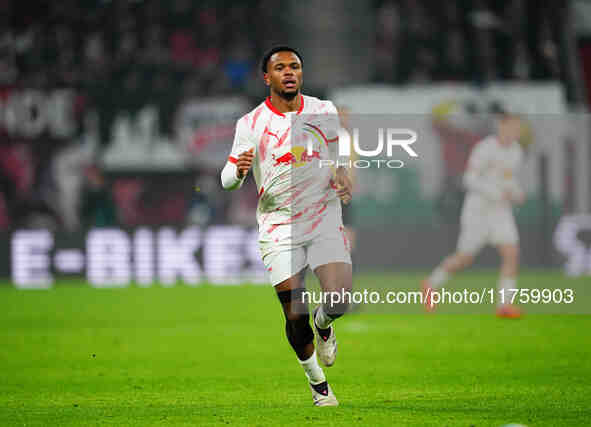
x: 515, y: 190
x: 475, y: 178
x: 344, y: 185
x: 240, y: 159
x: 343, y: 179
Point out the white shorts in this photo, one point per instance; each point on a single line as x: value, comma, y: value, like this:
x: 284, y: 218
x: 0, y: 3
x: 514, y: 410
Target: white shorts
x: 495, y: 227
x: 328, y: 244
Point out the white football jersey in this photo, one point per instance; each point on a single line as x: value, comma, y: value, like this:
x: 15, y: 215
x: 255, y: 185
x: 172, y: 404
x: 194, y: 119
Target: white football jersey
x: 492, y: 170
x: 293, y: 186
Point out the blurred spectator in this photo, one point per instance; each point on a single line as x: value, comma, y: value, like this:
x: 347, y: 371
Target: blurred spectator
x: 8, y: 71
x: 238, y: 65
x: 155, y: 51
x: 95, y: 54
x: 454, y: 57
x: 128, y: 47
x: 164, y: 91
x: 183, y: 47
x: 26, y: 188
x: 209, y: 52
x: 180, y: 15
x: 387, y: 41
x: 521, y: 63
x: 97, y: 206
x: 16, y: 179
x: 484, y: 40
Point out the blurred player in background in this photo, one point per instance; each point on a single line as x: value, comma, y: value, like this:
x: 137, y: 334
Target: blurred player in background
x: 487, y: 216
x: 299, y: 211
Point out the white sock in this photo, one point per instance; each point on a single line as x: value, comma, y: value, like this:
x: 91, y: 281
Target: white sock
x: 322, y: 320
x: 313, y: 370
x: 506, y: 284
x: 438, y: 277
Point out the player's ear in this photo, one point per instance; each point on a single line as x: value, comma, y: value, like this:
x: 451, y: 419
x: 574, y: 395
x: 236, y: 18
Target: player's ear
x: 266, y: 79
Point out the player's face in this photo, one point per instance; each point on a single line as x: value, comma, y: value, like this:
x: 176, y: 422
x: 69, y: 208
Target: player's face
x: 284, y: 74
x: 510, y: 130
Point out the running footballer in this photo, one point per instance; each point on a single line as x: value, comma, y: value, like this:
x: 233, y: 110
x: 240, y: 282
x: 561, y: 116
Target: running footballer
x: 283, y: 141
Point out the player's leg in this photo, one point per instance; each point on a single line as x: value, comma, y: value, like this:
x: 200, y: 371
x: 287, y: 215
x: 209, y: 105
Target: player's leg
x: 510, y: 263
x: 508, y: 281
x: 474, y: 233
x: 329, y: 257
x: 336, y: 279
x: 297, y: 319
x: 453, y: 263
x: 506, y: 240
x: 473, y: 236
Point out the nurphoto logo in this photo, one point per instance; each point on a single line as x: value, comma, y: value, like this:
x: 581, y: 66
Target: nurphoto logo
x: 394, y: 137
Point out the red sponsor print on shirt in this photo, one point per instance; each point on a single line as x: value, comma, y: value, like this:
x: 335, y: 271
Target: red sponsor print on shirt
x: 286, y: 159
x: 297, y: 156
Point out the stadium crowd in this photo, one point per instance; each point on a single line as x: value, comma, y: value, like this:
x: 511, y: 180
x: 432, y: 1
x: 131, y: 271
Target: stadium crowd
x: 117, y: 56
x: 419, y: 41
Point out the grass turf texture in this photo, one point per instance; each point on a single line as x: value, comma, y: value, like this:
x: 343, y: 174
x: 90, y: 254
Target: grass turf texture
x: 217, y: 355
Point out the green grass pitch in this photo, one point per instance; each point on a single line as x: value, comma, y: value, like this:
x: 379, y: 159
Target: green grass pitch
x: 213, y: 355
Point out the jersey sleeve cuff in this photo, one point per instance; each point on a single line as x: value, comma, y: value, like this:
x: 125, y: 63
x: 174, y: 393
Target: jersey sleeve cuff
x: 229, y: 179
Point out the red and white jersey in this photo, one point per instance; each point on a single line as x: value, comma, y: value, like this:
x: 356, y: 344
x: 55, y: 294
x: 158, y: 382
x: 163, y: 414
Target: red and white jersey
x: 293, y: 186
x: 492, y: 171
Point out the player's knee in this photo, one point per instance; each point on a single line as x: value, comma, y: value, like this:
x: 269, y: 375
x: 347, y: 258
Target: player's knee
x: 338, y: 304
x: 336, y: 309
x: 516, y: 254
x: 457, y: 261
x: 511, y: 261
x: 466, y: 260
x: 299, y: 332
x: 510, y: 255
x: 293, y: 303
x: 513, y: 257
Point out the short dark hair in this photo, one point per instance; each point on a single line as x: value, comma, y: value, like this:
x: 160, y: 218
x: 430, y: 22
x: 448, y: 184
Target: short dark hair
x: 273, y: 51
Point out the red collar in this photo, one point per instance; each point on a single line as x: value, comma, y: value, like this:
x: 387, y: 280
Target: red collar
x: 276, y: 111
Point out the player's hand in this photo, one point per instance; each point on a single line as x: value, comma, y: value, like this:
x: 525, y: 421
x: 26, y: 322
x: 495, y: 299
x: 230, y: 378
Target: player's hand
x: 344, y: 185
x: 518, y: 197
x: 515, y: 197
x: 244, y: 163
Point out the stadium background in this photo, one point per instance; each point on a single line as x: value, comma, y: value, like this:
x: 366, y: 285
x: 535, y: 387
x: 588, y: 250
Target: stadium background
x: 115, y: 120
x: 119, y: 115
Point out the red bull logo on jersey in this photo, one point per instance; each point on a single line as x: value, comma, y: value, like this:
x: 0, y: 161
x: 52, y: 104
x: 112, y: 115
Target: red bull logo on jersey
x: 297, y: 156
